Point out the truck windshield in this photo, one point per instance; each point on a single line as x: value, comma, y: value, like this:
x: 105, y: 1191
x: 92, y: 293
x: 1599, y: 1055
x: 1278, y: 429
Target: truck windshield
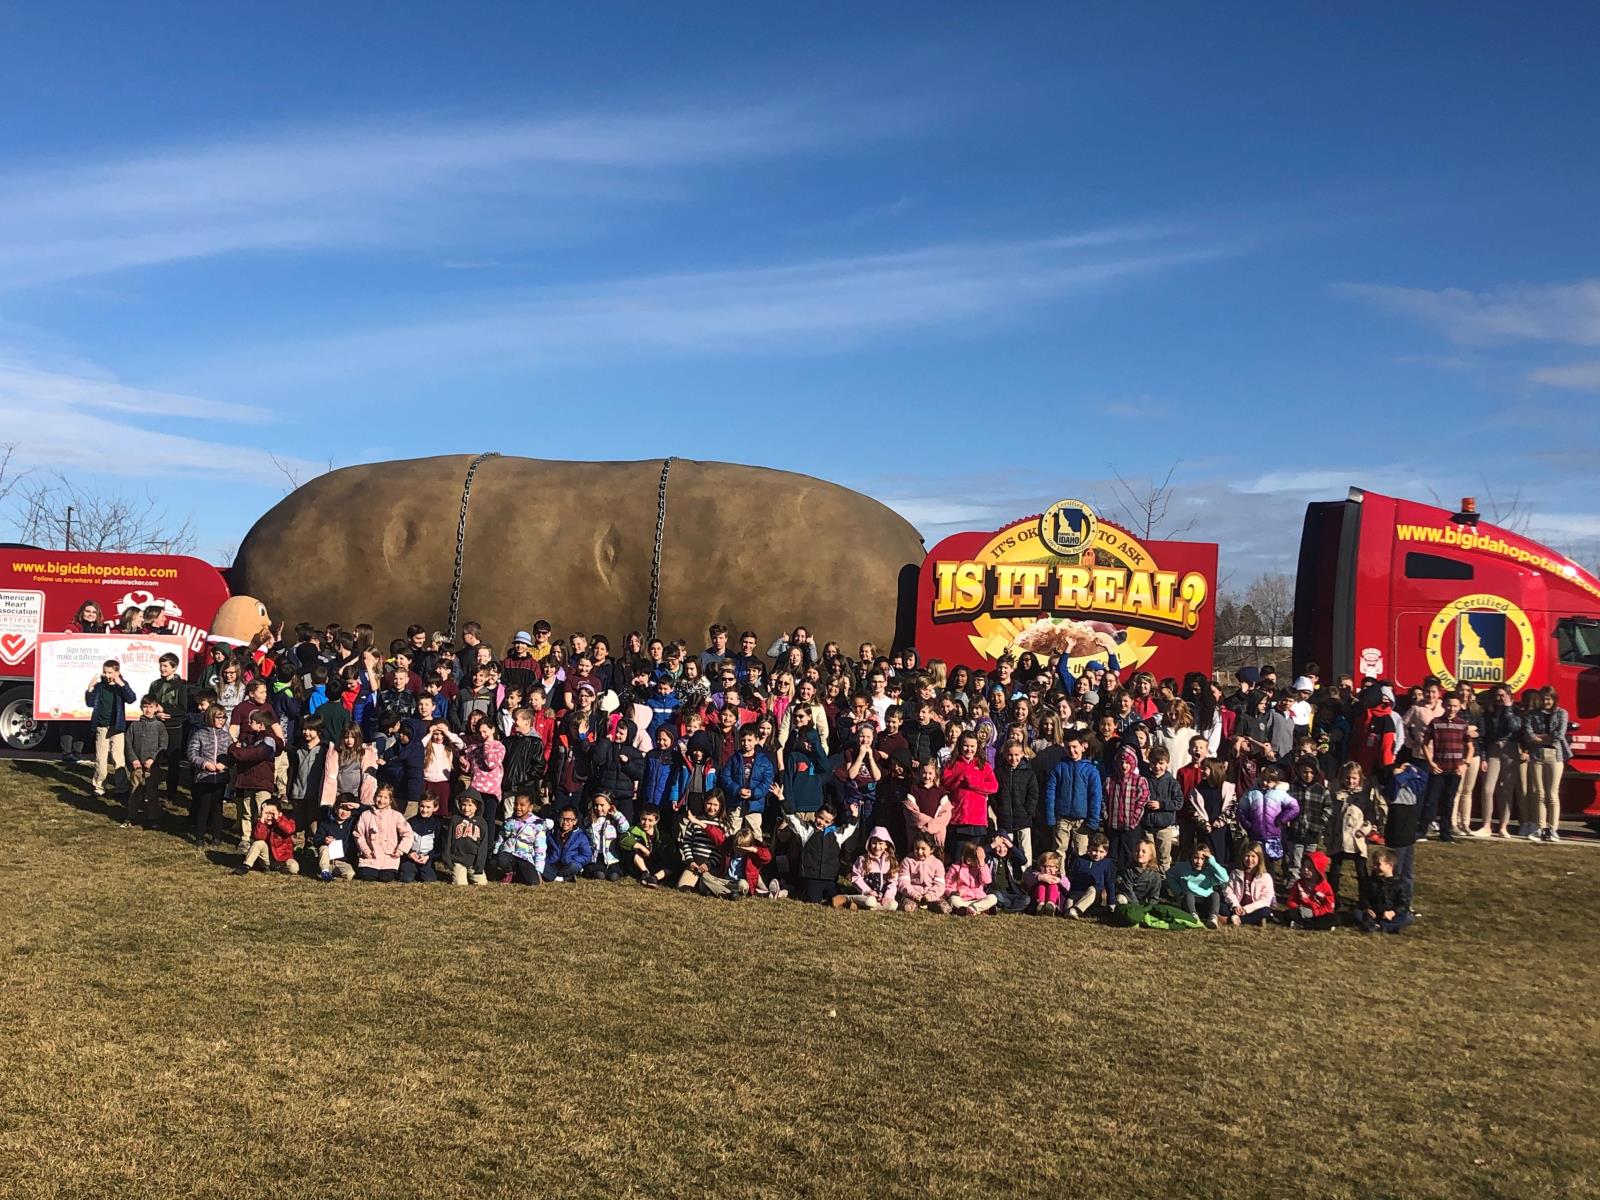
x: 1578, y: 640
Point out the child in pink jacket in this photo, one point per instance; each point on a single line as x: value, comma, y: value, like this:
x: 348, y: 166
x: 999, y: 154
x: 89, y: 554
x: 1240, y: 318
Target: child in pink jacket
x: 967, y: 884
x: 920, y: 883
x: 382, y: 835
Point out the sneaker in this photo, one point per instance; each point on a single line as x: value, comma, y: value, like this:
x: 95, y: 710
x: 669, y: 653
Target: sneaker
x: 1482, y: 831
x: 1074, y: 915
x: 1211, y: 923
x: 648, y: 881
x: 98, y: 790
x: 1532, y: 835
x: 325, y: 876
x: 127, y: 824
x: 241, y: 869
x: 1552, y: 835
x: 1048, y: 908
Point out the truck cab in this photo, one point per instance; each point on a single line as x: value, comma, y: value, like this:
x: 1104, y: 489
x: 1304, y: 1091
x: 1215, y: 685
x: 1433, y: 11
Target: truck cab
x: 1398, y: 590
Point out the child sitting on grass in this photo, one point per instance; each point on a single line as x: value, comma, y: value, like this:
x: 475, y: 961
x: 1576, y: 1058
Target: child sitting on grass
x: 1045, y: 885
x: 642, y: 853
x: 920, y: 883
x: 700, y: 840
x: 382, y: 836
x: 335, y: 840
x: 520, y: 850
x: 1196, y: 884
x: 739, y: 865
x: 873, y: 875
x: 466, y: 847
x: 1249, y: 895
x: 1310, y: 902
x: 427, y: 843
x: 1092, y: 878
x: 1141, y: 882
x: 817, y: 864
x: 1007, y: 873
x: 1383, y: 900
x: 606, y: 831
x: 271, y: 843
x: 967, y: 883
x: 570, y: 850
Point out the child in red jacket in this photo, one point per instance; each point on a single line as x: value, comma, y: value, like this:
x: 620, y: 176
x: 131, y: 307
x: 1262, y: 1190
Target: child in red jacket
x: 1310, y: 902
x: 970, y: 781
x: 271, y: 843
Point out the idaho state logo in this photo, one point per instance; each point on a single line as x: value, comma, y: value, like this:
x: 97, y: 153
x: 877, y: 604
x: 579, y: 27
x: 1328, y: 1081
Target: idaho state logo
x: 1470, y: 642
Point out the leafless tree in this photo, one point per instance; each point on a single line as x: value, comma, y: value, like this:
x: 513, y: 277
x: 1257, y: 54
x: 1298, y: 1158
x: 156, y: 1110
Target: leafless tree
x: 294, y: 474
x: 1147, y: 506
x: 50, y: 508
x: 1510, y: 511
x: 1272, y: 598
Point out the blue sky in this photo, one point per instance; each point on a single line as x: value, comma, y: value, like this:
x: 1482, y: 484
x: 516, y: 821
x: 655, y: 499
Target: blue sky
x: 968, y: 259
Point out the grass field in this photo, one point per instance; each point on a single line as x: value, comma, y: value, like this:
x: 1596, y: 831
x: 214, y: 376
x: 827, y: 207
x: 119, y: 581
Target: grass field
x: 170, y: 1029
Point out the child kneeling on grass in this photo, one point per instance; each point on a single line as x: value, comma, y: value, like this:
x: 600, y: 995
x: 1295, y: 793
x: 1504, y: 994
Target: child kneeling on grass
x: 1196, y: 885
x: 271, y: 843
x: 1092, y: 879
x: 921, y: 882
x: 381, y: 837
x: 874, y: 875
x: 1249, y: 895
x: 1383, y: 899
x: 466, y: 842
x: 817, y: 869
x: 520, y: 851
x: 1310, y: 902
x: 427, y: 842
x: 569, y: 848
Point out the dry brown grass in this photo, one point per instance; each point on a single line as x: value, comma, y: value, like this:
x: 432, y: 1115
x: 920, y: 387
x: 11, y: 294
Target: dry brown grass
x: 169, y: 1029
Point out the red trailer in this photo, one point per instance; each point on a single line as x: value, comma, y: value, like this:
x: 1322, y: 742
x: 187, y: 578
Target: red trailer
x: 1399, y: 590
x: 42, y: 591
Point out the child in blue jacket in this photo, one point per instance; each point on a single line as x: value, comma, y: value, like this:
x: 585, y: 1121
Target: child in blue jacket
x: 1092, y: 878
x: 569, y: 848
x: 1073, y: 798
x: 1196, y: 885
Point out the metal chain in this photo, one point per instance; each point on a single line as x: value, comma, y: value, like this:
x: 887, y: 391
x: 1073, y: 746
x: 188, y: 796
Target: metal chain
x: 461, y: 544
x: 655, y: 561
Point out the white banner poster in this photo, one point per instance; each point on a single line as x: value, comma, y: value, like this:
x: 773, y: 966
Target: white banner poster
x: 69, y: 665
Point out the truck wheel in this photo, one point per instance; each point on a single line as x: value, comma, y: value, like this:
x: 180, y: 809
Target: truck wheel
x: 18, y: 729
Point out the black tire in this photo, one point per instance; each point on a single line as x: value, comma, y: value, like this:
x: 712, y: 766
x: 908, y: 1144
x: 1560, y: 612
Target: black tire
x: 18, y: 729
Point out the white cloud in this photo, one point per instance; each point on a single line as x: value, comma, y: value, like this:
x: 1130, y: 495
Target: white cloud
x: 358, y: 185
x: 80, y: 420
x: 814, y: 307
x: 1561, y: 312
x: 1577, y: 377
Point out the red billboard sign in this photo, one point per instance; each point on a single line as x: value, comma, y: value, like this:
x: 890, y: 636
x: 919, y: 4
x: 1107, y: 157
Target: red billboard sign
x: 1067, y: 582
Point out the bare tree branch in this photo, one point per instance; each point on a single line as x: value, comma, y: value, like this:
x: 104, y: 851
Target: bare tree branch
x: 293, y: 475
x: 1147, y: 506
x: 98, y: 521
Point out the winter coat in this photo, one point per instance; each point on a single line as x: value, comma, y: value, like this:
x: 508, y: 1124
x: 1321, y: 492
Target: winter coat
x: 615, y: 768
x: 253, y: 755
x: 1316, y: 804
x: 1016, y: 799
x: 1247, y: 893
x: 147, y: 738
x: 818, y: 858
x: 523, y: 838
x: 382, y: 835
x: 484, y: 761
x: 743, y: 863
x: 968, y: 883
x: 330, y: 775
x: 921, y: 879
x: 605, y: 838
x: 1073, y: 793
x: 1127, y: 793
x: 1350, y: 817
x: 568, y: 852
x: 1403, y: 791
x: 402, y: 761
x: 970, y: 785
x: 1383, y: 894
x: 209, y: 744
x: 278, y: 835
x: 523, y: 765
x: 805, y: 764
x: 873, y: 877
x: 1182, y: 877
x: 1265, y: 814
x: 1140, y: 885
x: 665, y: 775
x: 1318, y: 896
x: 428, y: 836
x: 1166, y: 799
x: 109, y: 705
x: 739, y: 773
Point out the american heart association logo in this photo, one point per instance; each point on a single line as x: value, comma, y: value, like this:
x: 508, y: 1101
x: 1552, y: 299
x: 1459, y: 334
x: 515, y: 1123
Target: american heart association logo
x: 14, y: 647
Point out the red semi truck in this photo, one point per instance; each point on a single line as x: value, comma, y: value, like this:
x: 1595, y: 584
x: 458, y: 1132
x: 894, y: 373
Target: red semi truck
x: 1399, y: 590
x: 41, y: 591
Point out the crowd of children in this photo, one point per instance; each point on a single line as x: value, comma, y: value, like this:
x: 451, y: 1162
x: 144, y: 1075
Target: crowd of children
x: 872, y: 782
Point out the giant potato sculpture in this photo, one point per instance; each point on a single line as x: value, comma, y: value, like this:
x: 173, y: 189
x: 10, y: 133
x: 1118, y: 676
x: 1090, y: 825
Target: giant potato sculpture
x: 573, y: 542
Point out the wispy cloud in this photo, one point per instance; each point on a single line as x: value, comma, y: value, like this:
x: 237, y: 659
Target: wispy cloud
x: 813, y: 307
x: 80, y: 420
x: 1577, y: 377
x: 361, y: 184
x: 1561, y: 312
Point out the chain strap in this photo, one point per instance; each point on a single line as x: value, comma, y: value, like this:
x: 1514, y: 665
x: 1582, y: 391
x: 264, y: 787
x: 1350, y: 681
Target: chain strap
x: 655, y: 561
x: 461, y: 544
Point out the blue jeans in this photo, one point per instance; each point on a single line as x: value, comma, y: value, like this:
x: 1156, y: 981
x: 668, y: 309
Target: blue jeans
x: 1378, y: 925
